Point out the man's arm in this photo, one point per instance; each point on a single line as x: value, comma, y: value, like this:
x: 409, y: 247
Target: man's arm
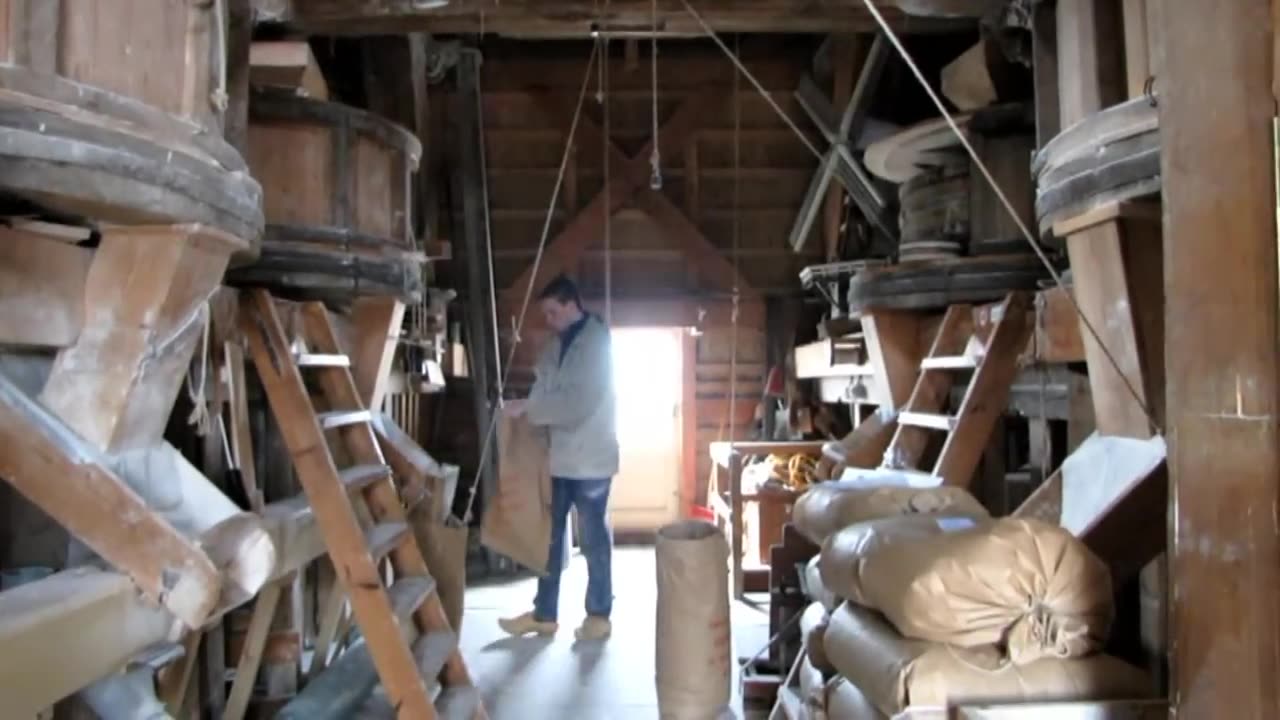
x: 576, y: 391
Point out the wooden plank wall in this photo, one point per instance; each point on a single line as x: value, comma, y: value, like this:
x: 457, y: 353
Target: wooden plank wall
x: 529, y: 93
x: 525, y: 143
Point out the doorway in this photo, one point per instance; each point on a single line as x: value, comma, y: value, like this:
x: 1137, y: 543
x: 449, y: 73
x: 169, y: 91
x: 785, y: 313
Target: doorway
x: 648, y: 373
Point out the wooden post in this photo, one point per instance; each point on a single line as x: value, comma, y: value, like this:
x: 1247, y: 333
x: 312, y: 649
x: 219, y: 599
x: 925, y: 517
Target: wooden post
x: 144, y: 314
x: 1224, y: 461
x: 377, y: 322
x: 481, y: 334
x: 1110, y: 272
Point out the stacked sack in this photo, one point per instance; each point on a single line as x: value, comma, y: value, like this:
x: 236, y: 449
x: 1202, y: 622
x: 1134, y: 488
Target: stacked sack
x: 943, y: 605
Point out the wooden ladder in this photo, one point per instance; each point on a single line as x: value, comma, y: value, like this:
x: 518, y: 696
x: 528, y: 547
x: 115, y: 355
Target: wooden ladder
x: 360, y: 514
x: 991, y: 352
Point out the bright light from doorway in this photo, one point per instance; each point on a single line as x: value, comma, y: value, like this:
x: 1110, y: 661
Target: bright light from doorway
x: 646, y: 367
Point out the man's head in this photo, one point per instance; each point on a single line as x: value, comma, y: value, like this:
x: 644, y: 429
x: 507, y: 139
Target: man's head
x: 560, y: 304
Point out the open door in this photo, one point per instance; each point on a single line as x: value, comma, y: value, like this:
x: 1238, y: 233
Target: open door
x: 649, y: 377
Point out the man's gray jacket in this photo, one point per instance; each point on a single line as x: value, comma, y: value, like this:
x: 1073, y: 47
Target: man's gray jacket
x: 574, y: 398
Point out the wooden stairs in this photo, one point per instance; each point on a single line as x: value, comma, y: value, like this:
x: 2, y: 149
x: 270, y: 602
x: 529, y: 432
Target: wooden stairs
x: 360, y: 514
x: 990, y: 351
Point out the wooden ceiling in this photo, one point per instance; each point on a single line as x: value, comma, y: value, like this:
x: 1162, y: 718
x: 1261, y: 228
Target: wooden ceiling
x: 575, y: 18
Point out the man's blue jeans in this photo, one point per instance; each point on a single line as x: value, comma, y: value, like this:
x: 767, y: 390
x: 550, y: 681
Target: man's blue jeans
x: 591, y: 497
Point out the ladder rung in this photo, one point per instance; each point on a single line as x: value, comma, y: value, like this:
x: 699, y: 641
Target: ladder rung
x: 458, y: 703
x: 408, y: 594
x: 927, y: 420
x: 949, y: 362
x: 385, y: 537
x: 321, y: 360
x: 432, y: 650
x: 359, y: 477
x: 341, y: 418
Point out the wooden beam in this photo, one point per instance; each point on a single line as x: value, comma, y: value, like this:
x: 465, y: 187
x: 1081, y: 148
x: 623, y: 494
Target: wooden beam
x: 144, y: 311
x: 96, y: 506
x: 1119, y: 288
x: 482, y: 342
x: 1044, y: 43
x: 845, y: 61
x: 235, y: 121
x: 1090, y: 58
x: 255, y: 639
x: 893, y: 352
x: 1216, y: 114
x: 631, y: 174
x: 1111, y: 493
x: 44, y: 286
x: 69, y: 630
x: 288, y: 64
x: 575, y: 18
x: 377, y: 322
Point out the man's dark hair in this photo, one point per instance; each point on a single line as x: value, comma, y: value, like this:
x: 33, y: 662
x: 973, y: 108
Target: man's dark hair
x: 563, y: 290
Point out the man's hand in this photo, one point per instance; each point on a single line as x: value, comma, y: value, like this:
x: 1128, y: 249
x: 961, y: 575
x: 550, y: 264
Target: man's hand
x: 513, y: 408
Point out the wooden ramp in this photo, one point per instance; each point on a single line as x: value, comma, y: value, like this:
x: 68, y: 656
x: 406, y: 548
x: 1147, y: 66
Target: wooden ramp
x: 360, y: 513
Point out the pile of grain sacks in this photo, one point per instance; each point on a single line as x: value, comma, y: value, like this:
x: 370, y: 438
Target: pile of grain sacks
x: 925, y: 601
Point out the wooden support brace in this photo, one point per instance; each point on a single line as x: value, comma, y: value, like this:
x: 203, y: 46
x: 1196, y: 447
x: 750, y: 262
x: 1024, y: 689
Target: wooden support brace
x: 264, y: 610
x: 44, y: 284
x: 1119, y: 285
x: 377, y: 322
x: 144, y: 314
x: 96, y: 506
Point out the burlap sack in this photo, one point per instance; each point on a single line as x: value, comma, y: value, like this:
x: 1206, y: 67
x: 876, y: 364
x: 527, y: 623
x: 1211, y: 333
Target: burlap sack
x: 1026, y: 585
x: 816, y: 586
x: 813, y: 689
x: 840, y: 561
x: 693, y: 638
x: 894, y: 672
x: 813, y: 625
x: 846, y: 702
x: 517, y: 520
x: 830, y: 507
x: 444, y: 548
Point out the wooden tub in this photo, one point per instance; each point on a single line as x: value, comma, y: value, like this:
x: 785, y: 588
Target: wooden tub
x: 111, y: 112
x: 336, y: 190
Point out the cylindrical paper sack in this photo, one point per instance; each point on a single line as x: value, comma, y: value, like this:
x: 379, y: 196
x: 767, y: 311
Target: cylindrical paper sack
x: 693, y: 645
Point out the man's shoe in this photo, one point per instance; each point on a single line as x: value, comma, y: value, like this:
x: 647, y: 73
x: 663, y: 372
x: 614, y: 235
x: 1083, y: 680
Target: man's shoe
x: 527, y: 624
x: 594, y: 628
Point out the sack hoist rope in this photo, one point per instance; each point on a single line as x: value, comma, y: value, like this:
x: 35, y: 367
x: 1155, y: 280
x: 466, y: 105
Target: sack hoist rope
x: 488, y: 229
x: 607, y: 209
x: 655, y: 159
x: 487, y: 445
x: 737, y: 212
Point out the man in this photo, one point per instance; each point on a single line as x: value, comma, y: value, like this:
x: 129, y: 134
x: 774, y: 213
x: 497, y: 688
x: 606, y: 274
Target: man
x: 573, y: 397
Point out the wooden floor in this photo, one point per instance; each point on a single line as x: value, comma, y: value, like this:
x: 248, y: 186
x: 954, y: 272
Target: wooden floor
x: 527, y: 679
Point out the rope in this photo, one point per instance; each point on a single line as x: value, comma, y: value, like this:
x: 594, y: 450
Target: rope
x: 733, y: 318
x: 1008, y: 206
x: 219, y: 97
x: 488, y: 229
x: 537, y: 263
x: 759, y: 88
x: 199, y: 416
x: 655, y: 159
x: 604, y: 153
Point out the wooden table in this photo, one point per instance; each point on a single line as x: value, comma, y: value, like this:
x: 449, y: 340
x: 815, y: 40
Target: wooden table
x: 728, y: 500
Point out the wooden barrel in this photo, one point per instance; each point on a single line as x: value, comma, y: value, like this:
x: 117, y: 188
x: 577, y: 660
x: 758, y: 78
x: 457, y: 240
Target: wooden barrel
x: 336, y: 191
x: 934, y: 213
x: 112, y: 112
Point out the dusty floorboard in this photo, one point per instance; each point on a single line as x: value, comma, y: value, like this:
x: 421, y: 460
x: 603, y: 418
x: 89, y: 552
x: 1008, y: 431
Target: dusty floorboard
x: 527, y: 679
